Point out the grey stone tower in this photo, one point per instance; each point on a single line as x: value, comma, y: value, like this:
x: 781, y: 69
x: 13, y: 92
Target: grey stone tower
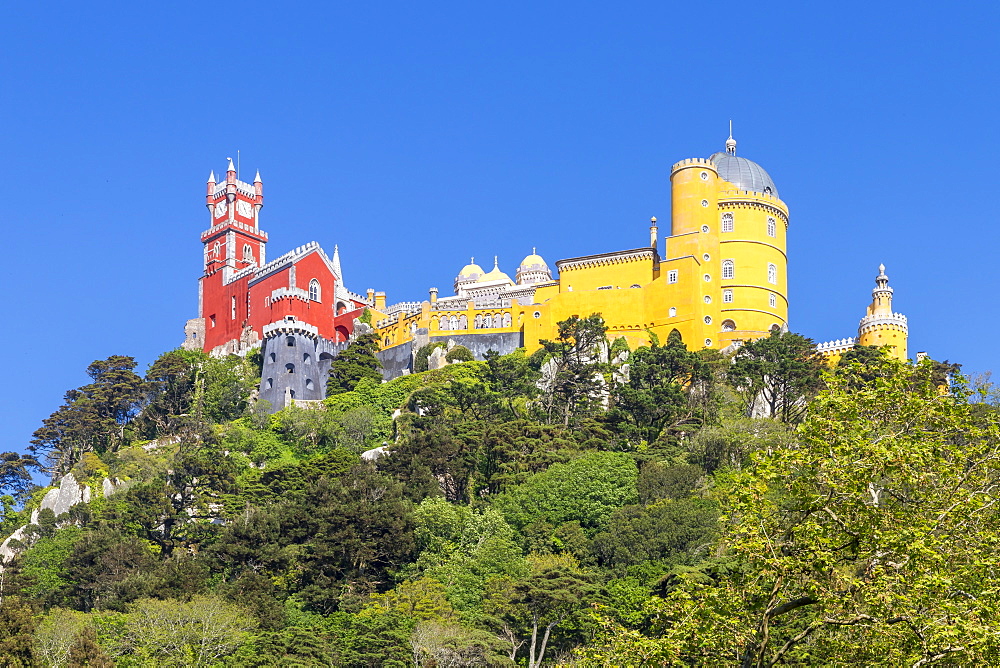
x: 296, y: 363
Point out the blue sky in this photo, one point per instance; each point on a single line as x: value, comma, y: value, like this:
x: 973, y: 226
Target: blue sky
x: 415, y: 135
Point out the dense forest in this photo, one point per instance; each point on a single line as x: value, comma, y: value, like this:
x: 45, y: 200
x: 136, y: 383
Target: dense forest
x: 587, y: 505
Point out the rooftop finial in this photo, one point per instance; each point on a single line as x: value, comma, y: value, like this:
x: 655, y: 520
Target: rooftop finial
x: 472, y: 260
x: 496, y: 263
x: 534, y: 251
x: 231, y: 168
x: 731, y: 143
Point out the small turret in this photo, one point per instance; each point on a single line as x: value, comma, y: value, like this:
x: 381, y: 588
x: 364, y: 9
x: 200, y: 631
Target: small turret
x: 652, y: 232
x: 210, y: 191
x: 882, y: 327
x: 731, y: 143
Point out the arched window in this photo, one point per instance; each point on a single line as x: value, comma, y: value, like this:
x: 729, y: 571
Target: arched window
x: 387, y: 341
x: 247, y: 253
x: 463, y: 321
x: 453, y: 322
x: 772, y: 300
x: 216, y: 248
x: 727, y: 296
x: 444, y: 322
x: 309, y: 384
x: 771, y: 227
x: 306, y: 358
x: 727, y: 222
x: 672, y: 312
x: 289, y: 368
x: 270, y: 383
x: 728, y: 269
x: 290, y: 341
x: 314, y: 290
x: 506, y: 320
x: 479, y: 322
x: 272, y: 357
x: 341, y: 308
x: 772, y: 274
x: 728, y: 326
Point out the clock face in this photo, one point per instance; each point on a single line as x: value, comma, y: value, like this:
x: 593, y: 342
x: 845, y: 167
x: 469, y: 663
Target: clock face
x: 243, y: 207
x: 220, y: 209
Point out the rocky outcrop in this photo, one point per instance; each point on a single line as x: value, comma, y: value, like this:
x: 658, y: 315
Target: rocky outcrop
x: 59, y: 500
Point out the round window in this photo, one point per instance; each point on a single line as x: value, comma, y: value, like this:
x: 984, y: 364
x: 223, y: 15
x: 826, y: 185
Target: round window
x: 704, y: 202
x: 708, y: 277
x: 708, y: 320
x: 704, y: 176
x: 708, y: 342
x: 706, y: 257
x: 704, y: 228
x: 538, y: 314
x: 708, y: 299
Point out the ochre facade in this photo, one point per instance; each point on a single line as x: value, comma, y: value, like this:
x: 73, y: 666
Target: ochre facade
x: 719, y: 277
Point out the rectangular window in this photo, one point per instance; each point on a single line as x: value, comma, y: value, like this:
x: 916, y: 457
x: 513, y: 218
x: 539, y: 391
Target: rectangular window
x: 728, y: 269
x: 771, y: 225
x: 672, y: 276
x: 233, y: 308
x: 727, y: 222
x: 727, y: 296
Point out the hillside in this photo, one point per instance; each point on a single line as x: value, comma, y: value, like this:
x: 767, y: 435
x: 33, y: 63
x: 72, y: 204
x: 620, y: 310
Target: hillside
x: 589, y: 505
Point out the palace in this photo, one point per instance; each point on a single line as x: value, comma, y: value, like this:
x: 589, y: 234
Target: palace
x: 719, y: 278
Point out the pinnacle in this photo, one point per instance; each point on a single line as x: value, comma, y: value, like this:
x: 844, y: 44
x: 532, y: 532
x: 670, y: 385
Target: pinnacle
x: 231, y: 167
x: 211, y: 176
x: 257, y: 178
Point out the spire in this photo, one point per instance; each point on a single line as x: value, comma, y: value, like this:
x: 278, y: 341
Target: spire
x: 496, y: 263
x: 231, y: 168
x: 256, y: 179
x: 211, y: 176
x: 336, y: 259
x: 731, y: 143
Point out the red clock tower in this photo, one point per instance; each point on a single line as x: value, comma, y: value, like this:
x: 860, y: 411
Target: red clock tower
x: 242, y: 296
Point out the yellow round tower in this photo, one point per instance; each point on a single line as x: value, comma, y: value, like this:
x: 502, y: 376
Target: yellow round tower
x: 882, y: 327
x: 727, y: 217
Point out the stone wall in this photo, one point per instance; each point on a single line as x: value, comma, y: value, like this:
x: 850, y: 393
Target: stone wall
x: 396, y: 361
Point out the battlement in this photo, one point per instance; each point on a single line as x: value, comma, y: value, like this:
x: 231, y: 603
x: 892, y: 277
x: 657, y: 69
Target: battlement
x: 289, y: 293
x: 403, y: 307
x: 693, y: 162
x: 215, y: 229
x: 751, y: 196
x: 836, y: 346
x: 242, y: 187
x: 288, y: 258
x: 290, y: 325
x: 892, y: 320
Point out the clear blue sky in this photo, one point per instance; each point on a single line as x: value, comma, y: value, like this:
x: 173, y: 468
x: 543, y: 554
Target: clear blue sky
x: 417, y: 134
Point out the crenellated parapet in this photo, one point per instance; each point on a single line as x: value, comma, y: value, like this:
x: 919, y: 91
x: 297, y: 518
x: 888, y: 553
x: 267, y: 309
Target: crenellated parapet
x: 835, y: 347
x: 288, y: 326
x: 888, y: 320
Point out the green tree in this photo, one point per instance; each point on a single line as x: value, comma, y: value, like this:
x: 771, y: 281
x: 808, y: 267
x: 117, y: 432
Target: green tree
x: 15, y: 475
x: 355, y: 362
x: 459, y: 354
x: 777, y: 375
x: 586, y: 490
x: 86, y: 652
x: 94, y: 417
x: 873, y: 538
x: 17, y: 626
x: 575, y: 385
x: 654, y: 398
x: 555, y: 590
x: 198, y: 632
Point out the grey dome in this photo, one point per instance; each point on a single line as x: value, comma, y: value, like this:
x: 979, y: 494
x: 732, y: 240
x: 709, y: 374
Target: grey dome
x: 746, y: 174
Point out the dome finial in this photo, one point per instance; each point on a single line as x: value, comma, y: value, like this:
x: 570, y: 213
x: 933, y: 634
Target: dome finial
x: 496, y: 262
x: 731, y: 143
x: 533, y: 251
